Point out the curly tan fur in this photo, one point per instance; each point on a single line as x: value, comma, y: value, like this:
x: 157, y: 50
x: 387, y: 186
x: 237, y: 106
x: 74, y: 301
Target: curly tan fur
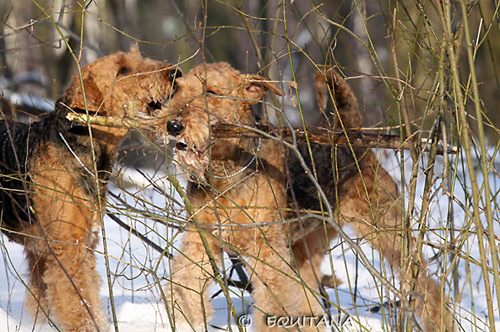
x: 51, y: 201
x: 273, y: 188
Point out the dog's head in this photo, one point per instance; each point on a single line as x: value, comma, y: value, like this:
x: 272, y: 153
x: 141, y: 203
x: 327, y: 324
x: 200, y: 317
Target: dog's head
x: 123, y: 85
x: 207, y: 95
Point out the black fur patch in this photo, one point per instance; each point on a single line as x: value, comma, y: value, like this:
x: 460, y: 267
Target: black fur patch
x: 19, y: 145
x: 334, y: 165
x: 16, y: 147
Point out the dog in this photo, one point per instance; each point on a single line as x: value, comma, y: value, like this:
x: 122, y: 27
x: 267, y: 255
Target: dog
x: 241, y: 189
x: 54, y: 175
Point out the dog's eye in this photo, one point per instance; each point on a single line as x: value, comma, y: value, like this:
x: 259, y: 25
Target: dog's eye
x: 174, y: 74
x: 124, y: 71
x: 210, y: 92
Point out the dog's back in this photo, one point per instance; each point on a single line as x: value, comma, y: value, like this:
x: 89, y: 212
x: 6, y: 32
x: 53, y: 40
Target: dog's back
x: 20, y: 148
x: 360, y: 193
x: 331, y: 165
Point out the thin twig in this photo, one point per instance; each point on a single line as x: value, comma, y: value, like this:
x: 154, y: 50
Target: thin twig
x: 138, y: 234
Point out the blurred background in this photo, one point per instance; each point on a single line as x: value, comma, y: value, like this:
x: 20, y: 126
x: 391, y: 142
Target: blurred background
x: 377, y: 44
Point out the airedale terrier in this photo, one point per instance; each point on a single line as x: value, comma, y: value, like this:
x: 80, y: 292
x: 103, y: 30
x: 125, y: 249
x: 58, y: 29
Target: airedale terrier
x: 54, y: 175
x: 237, y: 184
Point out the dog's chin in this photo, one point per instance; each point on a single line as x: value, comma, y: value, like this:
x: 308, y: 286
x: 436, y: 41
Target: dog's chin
x: 191, y: 162
x: 156, y: 137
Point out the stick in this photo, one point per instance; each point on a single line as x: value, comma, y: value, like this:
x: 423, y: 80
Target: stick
x: 317, y: 135
x: 105, y: 121
x: 321, y: 135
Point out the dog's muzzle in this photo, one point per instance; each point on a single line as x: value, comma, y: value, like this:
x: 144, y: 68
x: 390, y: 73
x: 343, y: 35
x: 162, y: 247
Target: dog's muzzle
x: 174, y: 127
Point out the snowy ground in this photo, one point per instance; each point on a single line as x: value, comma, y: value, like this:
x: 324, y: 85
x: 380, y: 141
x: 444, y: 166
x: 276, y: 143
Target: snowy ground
x: 138, y: 270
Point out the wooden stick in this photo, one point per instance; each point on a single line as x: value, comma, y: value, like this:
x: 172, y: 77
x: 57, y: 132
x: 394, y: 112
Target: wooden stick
x: 317, y: 135
x: 99, y: 120
x: 321, y: 135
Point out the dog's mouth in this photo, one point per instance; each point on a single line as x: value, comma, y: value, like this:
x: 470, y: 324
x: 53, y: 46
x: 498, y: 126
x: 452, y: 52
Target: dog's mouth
x: 181, y: 146
x: 153, y: 107
x: 191, y: 161
x: 150, y: 119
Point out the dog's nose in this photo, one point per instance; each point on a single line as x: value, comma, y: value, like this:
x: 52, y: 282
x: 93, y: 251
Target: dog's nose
x: 174, y: 127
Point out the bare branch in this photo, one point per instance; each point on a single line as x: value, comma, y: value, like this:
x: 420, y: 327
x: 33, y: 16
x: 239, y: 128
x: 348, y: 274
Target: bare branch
x: 316, y: 135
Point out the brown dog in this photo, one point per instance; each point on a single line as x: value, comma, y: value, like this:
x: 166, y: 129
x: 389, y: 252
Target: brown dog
x: 54, y: 176
x: 360, y: 193
x: 237, y: 184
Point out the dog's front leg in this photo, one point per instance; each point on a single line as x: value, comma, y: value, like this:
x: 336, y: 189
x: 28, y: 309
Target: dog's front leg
x: 280, y: 298
x: 73, y: 289
x: 186, y: 293
x: 67, y: 281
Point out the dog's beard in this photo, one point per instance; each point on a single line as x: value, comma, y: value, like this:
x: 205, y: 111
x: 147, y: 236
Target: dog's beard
x: 190, y: 161
x: 156, y: 137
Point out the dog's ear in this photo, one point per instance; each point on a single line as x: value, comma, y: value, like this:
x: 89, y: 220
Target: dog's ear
x: 256, y: 86
x: 93, y: 96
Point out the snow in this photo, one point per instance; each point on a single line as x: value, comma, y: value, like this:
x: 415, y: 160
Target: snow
x: 138, y: 271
